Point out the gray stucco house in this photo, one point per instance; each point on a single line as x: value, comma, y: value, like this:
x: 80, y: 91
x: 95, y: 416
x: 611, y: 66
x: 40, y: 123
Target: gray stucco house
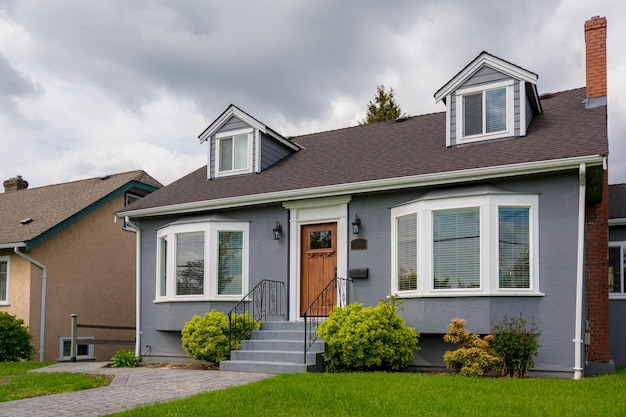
x: 496, y: 206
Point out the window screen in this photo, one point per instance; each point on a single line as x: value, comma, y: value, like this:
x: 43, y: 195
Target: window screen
x: 495, y: 106
x: 230, y: 263
x: 407, y: 253
x: 456, y: 248
x: 473, y: 114
x: 190, y: 263
x: 514, y: 247
x: 3, y: 280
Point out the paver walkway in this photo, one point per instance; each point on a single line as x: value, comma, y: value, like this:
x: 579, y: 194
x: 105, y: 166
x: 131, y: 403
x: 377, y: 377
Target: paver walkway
x: 130, y: 388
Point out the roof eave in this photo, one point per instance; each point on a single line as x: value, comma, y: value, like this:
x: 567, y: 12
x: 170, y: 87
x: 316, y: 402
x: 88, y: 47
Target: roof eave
x: 12, y: 245
x: 386, y: 184
x: 30, y: 244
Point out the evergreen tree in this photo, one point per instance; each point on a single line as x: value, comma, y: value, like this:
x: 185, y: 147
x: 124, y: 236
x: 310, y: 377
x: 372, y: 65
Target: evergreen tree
x: 383, y: 108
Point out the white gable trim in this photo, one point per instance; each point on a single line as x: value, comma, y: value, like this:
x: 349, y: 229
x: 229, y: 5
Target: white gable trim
x: 493, y: 62
x: 232, y: 110
x: 220, y: 121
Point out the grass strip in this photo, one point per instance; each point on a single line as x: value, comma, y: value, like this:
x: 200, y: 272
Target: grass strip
x: 399, y: 394
x: 16, y: 383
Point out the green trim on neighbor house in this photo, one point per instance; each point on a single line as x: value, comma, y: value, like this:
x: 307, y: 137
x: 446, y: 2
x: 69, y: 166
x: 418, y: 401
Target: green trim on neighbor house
x: 30, y: 244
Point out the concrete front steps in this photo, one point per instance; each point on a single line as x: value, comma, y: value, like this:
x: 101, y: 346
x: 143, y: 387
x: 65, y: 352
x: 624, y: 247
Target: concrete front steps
x: 277, y: 348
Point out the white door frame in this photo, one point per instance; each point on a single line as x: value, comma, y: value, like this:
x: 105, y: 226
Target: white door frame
x: 319, y: 210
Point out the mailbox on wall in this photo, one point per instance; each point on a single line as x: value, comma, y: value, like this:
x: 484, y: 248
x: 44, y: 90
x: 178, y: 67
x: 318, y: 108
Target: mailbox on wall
x: 359, y: 273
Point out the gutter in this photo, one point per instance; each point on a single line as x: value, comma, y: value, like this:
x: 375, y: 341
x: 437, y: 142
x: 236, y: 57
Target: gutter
x: 385, y: 184
x: 580, y: 275
x: 42, y: 320
x: 137, y: 286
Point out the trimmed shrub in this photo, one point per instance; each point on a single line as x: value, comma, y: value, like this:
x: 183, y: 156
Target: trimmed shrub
x: 125, y: 358
x: 207, y: 338
x: 14, y: 339
x: 516, y: 345
x: 367, y: 338
x: 474, y: 355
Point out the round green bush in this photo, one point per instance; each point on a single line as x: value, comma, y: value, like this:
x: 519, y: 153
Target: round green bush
x: 367, y: 338
x: 207, y: 338
x: 14, y: 339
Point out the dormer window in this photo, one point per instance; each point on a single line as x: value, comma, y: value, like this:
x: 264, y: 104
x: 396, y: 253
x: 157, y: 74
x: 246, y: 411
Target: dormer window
x: 485, y: 111
x: 233, y: 150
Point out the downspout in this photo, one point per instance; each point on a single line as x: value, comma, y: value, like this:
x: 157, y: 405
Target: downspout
x: 580, y: 275
x: 137, y: 286
x: 42, y: 319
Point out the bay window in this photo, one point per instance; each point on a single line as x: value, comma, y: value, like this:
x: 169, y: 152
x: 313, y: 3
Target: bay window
x: 203, y: 260
x: 473, y: 245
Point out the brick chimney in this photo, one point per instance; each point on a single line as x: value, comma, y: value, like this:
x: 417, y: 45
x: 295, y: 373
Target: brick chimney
x: 15, y: 184
x: 595, y: 46
x: 596, y: 215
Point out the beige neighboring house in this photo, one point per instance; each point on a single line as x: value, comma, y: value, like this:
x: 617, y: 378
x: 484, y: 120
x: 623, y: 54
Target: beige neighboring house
x: 62, y: 252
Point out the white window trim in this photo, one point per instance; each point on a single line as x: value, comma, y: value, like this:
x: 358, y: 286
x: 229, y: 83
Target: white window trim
x: 489, y: 240
x: 79, y: 340
x: 126, y: 195
x: 510, y: 111
x: 617, y: 295
x: 231, y: 134
x: 210, y: 230
x: 7, y: 259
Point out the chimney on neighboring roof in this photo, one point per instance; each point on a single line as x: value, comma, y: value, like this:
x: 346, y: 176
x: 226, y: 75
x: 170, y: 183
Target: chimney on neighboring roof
x: 595, y: 47
x: 15, y: 184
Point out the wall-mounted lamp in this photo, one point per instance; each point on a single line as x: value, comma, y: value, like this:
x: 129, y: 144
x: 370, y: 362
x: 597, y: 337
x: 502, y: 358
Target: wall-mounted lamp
x: 356, y: 224
x: 277, y: 230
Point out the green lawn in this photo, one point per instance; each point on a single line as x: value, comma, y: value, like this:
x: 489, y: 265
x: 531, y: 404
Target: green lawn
x: 405, y: 394
x: 16, y: 383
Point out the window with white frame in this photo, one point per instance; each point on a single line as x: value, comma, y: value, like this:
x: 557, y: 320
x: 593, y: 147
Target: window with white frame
x: 84, y: 349
x: 233, y: 152
x: 4, y: 280
x: 617, y: 263
x: 483, y: 244
x: 205, y: 260
x: 129, y: 199
x: 485, y: 112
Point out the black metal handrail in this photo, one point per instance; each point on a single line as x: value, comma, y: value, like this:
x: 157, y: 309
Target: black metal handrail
x: 263, y: 301
x: 335, y: 293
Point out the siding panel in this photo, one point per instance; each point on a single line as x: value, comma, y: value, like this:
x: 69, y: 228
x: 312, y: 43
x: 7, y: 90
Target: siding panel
x: 484, y: 75
x: 272, y: 152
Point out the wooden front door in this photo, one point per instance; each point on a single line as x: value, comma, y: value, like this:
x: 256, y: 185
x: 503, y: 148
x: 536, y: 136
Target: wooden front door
x: 318, y: 261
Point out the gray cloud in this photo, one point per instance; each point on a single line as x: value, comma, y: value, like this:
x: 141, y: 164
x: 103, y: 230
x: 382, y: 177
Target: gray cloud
x: 125, y: 68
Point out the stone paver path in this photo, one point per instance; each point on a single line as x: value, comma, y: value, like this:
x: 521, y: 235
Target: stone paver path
x: 130, y: 388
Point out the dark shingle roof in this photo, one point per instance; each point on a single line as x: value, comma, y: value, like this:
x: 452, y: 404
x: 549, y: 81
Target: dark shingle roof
x: 617, y: 201
x: 51, y: 205
x: 416, y: 146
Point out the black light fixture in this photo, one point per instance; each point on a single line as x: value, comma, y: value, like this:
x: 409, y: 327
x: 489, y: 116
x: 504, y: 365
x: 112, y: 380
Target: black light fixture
x: 356, y: 224
x: 277, y: 230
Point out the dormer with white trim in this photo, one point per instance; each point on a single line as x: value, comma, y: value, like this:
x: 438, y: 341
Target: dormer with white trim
x: 239, y: 144
x: 489, y: 99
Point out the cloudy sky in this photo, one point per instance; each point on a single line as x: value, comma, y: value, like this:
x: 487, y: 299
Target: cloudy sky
x: 96, y: 87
